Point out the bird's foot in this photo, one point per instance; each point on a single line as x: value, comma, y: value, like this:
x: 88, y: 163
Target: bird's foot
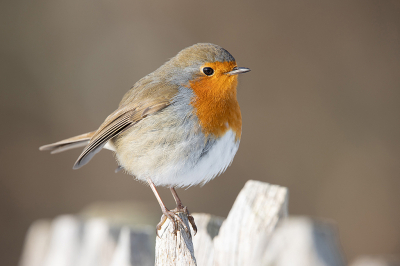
x: 185, y: 210
x: 176, y: 220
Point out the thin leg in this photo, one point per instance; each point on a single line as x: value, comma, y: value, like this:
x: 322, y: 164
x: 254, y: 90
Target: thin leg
x: 167, y: 214
x: 176, y: 198
x: 184, y: 209
x: 153, y: 187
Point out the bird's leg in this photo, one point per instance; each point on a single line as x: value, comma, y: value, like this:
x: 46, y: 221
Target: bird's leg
x: 179, y: 206
x: 167, y: 214
x: 184, y: 209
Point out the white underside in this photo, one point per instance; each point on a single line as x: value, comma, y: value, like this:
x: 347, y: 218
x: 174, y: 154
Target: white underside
x: 188, y: 171
x: 215, y: 162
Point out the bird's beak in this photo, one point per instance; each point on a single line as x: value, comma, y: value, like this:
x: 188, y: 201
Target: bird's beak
x: 238, y: 70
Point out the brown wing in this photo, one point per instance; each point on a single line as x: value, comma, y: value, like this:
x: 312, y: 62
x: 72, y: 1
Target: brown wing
x: 119, y: 121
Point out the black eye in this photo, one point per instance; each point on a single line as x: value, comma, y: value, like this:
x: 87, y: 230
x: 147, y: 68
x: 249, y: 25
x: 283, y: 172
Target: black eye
x: 208, y: 71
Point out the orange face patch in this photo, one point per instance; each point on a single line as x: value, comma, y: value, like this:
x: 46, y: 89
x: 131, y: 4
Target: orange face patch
x: 215, y: 102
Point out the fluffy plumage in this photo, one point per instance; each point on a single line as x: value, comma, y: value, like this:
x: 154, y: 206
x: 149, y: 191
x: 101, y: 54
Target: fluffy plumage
x: 177, y: 125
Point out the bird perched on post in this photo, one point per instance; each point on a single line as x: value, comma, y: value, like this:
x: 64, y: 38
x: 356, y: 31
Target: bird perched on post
x: 177, y: 127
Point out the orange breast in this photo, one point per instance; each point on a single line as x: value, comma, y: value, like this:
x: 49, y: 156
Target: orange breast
x: 215, y: 102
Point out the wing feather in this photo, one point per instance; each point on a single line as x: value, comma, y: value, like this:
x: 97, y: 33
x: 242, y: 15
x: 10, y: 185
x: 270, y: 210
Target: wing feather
x: 115, y: 124
x: 67, y: 144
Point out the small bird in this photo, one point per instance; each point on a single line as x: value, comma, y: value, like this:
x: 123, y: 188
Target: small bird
x: 179, y: 126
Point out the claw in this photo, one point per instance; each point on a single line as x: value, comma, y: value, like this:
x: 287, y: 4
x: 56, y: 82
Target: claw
x: 191, y: 221
x: 160, y: 224
x: 175, y: 219
x: 190, y: 217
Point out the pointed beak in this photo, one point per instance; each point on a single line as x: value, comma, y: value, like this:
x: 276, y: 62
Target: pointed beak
x: 238, y: 70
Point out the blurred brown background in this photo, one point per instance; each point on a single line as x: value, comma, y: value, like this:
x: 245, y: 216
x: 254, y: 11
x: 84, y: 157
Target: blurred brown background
x: 320, y: 108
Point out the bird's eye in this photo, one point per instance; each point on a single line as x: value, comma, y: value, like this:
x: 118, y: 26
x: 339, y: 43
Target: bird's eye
x: 208, y: 71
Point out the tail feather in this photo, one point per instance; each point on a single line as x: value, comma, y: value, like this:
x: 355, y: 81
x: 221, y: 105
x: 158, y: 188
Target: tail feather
x: 67, y: 144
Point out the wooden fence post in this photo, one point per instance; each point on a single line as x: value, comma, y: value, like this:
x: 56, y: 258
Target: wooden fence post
x: 256, y: 232
x: 240, y: 240
x: 174, y: 249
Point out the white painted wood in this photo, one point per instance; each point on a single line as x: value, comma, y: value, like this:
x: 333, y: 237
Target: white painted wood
x: 174, y: 249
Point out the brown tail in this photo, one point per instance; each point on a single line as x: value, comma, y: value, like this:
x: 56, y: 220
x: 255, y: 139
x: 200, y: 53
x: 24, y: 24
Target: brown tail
x: 67, y: 144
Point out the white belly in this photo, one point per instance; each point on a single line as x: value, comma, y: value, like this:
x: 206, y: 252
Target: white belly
x: 186, y: 165
x: 215, y: 162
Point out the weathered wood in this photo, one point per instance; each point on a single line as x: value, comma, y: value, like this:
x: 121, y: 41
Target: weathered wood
x: 174, y: 249
x: 96, y: 246
x: 302, y: 241
x: 133, y: 248
x: 244, y: 235
x: 72, y: 241
x: 36, y: 244
x: 250, y: 235
x: 64, y: 241
x: 239, y: 240
x: 208, y: 227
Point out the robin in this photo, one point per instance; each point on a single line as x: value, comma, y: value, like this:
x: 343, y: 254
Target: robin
x: 179, y: 126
